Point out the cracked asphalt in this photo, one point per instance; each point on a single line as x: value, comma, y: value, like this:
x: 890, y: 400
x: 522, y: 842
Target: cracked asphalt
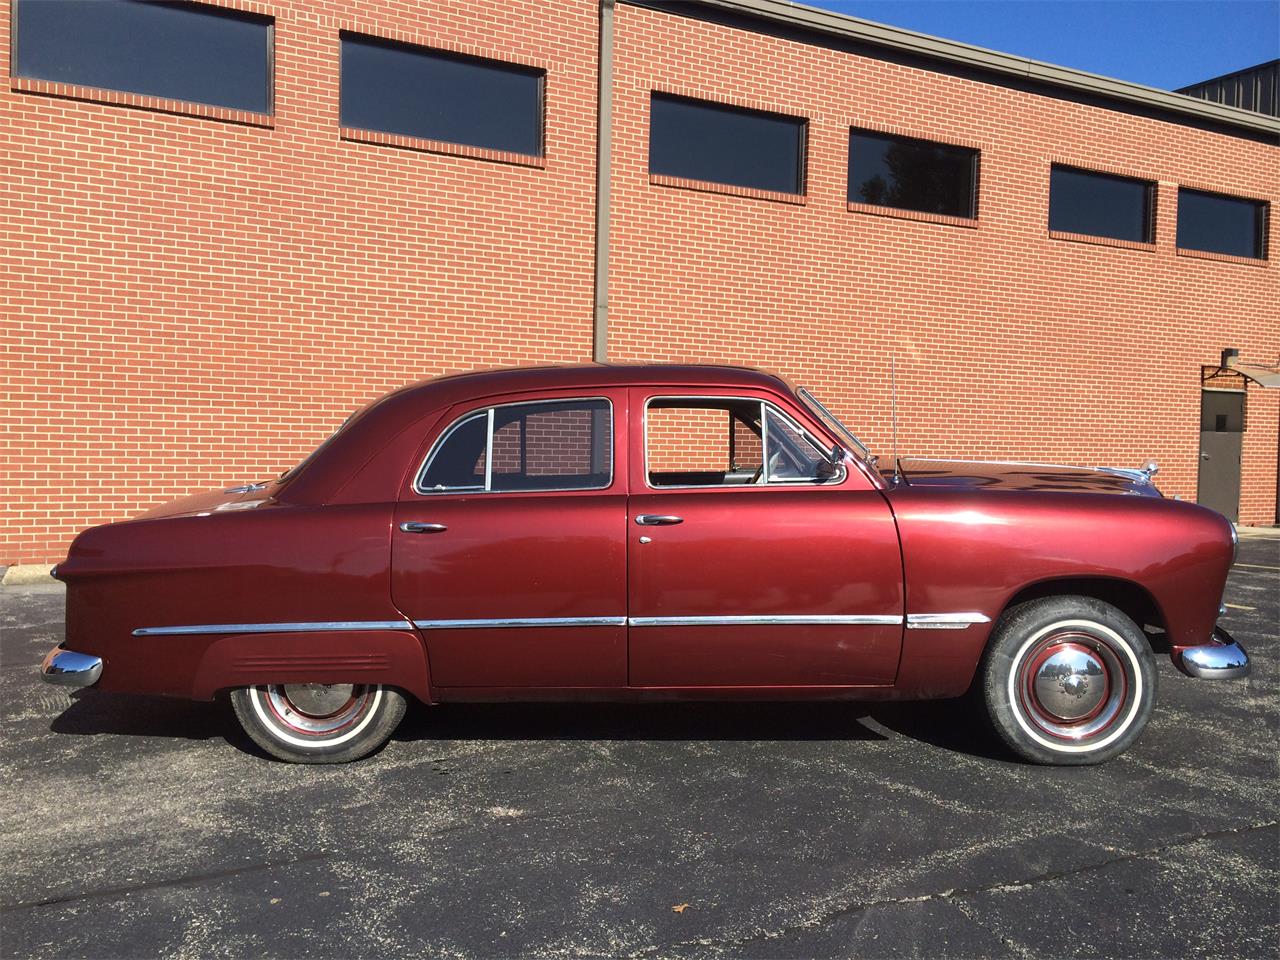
x: 136, y: 827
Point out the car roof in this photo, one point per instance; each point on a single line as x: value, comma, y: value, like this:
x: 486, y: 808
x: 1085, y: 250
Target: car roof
x: 371, y: 433
x: 482, y: 383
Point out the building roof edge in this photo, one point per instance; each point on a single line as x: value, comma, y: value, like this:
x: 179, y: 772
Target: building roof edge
x: 939, y: 48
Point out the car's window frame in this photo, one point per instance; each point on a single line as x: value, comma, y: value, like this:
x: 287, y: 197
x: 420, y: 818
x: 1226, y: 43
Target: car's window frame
x: 710, y: 400
x: 487, y: 410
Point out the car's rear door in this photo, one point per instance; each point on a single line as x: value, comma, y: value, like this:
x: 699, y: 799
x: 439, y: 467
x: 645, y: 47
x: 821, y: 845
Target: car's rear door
x: 508, y: 548
x: 747, y: 568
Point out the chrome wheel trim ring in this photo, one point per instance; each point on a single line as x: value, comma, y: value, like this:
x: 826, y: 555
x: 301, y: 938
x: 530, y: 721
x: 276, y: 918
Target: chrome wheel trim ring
x: 1127, y: 674
x: 349, y: 721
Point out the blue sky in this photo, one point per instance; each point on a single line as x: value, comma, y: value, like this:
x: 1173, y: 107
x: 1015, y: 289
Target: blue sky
x: 1162, y: 43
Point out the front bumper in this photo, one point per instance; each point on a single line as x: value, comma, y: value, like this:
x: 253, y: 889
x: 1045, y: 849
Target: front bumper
x: 70, y: 669
x: 1221, y: 659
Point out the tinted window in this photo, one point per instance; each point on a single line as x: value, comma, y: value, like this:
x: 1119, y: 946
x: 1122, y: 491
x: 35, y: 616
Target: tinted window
x: 1100, y: 205
x: 561, y: 445
x: 548, y: 446
x: 416, y: 92
x: 458, y: 461
x: 696, y: 140
x: 912, y: 174
x: 1221, y: 224
x: 180, y: 51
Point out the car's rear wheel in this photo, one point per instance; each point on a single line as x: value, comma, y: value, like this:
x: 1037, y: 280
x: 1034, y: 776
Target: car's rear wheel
x: 319, y: 722
x: 1068, y: 680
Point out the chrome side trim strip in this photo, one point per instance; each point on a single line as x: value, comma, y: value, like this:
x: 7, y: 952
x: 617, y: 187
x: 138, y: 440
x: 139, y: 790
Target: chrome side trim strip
x: 915, y: 621
x: 777, y: 620
x: 520, y: 622
x: 319, y: 627
x: 944, y: 621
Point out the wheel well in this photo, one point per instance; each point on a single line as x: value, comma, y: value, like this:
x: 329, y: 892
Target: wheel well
x: 1129, y: 597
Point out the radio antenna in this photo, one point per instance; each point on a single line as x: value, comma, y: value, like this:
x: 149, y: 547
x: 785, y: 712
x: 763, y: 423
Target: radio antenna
x: 893, y: 407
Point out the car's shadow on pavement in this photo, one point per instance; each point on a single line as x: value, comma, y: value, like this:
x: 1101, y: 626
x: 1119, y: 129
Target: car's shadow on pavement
x: 950, y: 725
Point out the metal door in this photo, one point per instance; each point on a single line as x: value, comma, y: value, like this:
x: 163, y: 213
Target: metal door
x: 1221, y: 433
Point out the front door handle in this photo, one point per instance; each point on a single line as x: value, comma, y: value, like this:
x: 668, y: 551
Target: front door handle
x: 413, y: 526
x: 657, y: 520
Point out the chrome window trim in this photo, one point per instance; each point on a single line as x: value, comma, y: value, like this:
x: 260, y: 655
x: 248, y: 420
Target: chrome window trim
x: 945, y: 621
x: 768, y: 620
x: 499, y: 622
x: 322, y: 626
x: 765, y: 482
x: 488, y: 458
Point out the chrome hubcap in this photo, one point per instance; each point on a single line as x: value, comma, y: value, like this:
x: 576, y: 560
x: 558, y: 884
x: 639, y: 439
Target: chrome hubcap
x: 1071, y: 682
x: 318, y: 699
x: 318, y: 709
x: 1072, y: 685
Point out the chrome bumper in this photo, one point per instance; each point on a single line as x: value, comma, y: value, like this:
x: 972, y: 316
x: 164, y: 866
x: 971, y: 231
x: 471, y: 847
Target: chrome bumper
x: 70, y: 669
x: 1223, y: 659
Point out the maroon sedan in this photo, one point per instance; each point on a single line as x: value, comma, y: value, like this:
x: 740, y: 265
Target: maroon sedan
x: 665, y: 532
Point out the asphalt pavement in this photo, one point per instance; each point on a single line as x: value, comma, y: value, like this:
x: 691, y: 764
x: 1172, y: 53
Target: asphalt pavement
x: 141, y: 827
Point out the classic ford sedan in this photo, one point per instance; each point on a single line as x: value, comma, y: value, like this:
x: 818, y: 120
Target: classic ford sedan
x: 612, y: 532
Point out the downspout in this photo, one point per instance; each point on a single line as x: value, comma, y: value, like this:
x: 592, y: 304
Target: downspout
x: 604, y: 158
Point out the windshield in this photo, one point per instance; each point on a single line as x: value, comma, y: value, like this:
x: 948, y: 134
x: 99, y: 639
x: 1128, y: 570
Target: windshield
x: 833, y: 423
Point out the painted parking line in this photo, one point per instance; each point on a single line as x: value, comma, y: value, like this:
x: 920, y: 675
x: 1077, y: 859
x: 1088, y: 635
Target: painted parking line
x: 1257, y: 566
x: 1236, y: 606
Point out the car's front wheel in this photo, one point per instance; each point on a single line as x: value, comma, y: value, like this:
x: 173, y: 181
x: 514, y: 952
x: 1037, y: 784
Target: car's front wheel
x: 1068, y: 680
x: 319, y: 722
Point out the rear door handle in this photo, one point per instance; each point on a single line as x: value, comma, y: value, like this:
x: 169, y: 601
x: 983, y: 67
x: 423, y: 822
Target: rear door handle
x: 413, y: 526
x: 658, y: 520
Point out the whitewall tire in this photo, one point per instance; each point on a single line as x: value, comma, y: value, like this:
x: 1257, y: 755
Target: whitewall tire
x: 318, y: 723
x: 1068, y: 680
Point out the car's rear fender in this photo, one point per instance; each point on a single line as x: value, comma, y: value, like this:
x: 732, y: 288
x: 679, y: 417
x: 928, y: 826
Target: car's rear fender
x: 393, y: 658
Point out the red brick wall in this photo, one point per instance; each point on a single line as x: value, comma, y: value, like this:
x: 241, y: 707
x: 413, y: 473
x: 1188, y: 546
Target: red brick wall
x: 191, y: 300
x: 1009, y: 343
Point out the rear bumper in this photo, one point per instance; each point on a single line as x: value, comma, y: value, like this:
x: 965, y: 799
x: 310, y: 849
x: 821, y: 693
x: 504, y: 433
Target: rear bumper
x: 1220, y: 659
x: 70, y: 669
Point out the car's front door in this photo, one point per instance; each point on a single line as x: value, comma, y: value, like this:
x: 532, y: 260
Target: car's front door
x: 508, y: 547
x: 749, y: 564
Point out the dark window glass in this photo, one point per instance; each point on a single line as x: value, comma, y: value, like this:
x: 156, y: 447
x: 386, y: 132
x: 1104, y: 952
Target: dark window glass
x: 552, y: 446
x: 417, y: 92
x: 912, y: 174
x: 1221, y: 224
x: 180, y: 51
x: 1100, y: 205
x: 561, y: 445
x: 696, y: 140
x: 458, y: 462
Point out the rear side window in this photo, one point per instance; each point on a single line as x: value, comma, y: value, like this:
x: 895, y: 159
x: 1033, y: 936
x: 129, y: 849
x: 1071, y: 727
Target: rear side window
x: 436, y: 95
x: 555, y: 445
x: 179, y: 51
x: 715, y: 143
x: 1217, y: 223
x: 1101, y: 205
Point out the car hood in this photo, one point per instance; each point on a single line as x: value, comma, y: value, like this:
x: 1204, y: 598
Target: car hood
x: 970, y: 475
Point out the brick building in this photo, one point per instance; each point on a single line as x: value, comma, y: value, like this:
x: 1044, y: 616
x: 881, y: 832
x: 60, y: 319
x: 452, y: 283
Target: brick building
x: 211, y: 259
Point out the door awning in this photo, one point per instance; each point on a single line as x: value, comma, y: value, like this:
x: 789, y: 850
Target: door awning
x: 1264, y: 376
